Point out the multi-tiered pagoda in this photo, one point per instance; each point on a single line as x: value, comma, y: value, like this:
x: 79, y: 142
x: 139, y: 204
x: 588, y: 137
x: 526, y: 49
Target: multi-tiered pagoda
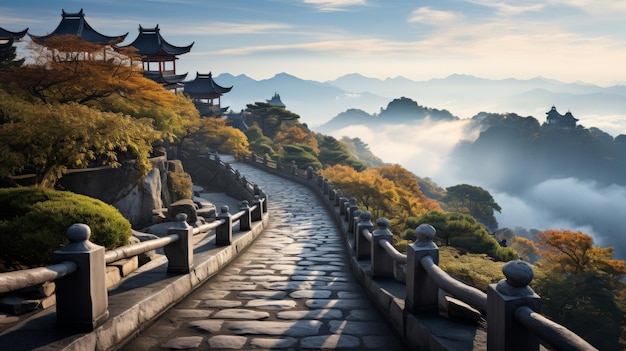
x: 159, y: 57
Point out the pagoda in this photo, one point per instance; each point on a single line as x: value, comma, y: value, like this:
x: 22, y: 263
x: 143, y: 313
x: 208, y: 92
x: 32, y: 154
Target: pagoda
x: 276, y: 101
x: 555, y: 119
x: 159, y: 57
x: 206, y: 94
x: 76, y: 25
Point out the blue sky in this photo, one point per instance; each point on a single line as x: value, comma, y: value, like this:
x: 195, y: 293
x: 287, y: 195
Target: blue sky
x: 568, y: 40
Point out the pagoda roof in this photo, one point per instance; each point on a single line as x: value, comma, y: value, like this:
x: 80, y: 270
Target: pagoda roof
x: 165, y: 79
x: 276, y: 101
x: 204, y: 87
x: 150, y: 42
x: 14, y: 35
x: 75, y: 24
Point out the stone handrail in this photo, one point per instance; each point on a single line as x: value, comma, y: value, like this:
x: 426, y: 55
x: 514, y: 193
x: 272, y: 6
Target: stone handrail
x: 507, y: 305
x: 129, y: 251
x: 560, y: 338
x: 25, y: 278
x: 81, y: 296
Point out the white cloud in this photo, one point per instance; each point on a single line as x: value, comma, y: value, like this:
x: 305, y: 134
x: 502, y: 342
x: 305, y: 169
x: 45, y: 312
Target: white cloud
x: 335, y: 5
x: 427, y: 15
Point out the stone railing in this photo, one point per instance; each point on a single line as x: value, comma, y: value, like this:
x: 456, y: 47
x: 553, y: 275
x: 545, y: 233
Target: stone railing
x: 511, y: 307
x: 79, y: 268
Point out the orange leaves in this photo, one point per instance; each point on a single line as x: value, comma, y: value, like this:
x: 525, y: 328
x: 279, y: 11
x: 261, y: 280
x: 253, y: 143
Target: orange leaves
x: 574, y: 252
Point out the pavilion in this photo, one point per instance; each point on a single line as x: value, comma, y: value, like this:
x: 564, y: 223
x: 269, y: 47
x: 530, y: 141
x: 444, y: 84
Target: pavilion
x: 159, y: 57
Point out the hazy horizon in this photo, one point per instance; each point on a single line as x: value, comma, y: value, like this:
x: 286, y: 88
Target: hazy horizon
x: 326, y: 39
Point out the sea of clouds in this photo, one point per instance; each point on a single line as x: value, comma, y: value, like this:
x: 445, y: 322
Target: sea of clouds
x: 565, y: 203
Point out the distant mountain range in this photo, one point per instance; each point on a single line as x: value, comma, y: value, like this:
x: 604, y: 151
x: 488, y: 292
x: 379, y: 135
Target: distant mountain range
x: 463, y: 96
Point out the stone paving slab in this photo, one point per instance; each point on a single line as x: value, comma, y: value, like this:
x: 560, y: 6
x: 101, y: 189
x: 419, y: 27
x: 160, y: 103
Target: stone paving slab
x: 291, y: 290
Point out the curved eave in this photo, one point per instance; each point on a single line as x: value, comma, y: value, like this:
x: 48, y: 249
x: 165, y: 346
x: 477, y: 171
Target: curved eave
x: 15, y: 35
x: 149, y: 43
x: 205, y: 86
x: 165, y: 79
x: 75, y: 24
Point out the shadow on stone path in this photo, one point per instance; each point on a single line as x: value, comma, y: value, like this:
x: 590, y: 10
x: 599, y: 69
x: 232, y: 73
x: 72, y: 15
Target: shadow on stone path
x: 291, y: 290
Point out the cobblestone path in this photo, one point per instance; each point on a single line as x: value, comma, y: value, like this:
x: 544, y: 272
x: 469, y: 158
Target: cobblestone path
x: 291, y: 290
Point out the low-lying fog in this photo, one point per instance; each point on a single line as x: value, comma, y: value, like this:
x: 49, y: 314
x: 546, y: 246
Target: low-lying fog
x: 561, y: 203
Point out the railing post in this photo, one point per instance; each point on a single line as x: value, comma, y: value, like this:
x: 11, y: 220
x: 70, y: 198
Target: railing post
x: 224, y: 233
x: 503, y: 331
x: 343, y: 204
x: 422, y: 291
x: 326, y: 187
x: 294, y: 167
x: 245, y: 222
x: 309, y: 173
x: 361, y: 245
x: 351, y: 214
x: 81, y: 297
x: 339, y: 200
x: 180, y: 253
x: 332, y: 193
x: 382, y: 263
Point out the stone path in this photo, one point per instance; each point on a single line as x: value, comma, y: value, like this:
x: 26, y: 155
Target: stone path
x: 291, y: 290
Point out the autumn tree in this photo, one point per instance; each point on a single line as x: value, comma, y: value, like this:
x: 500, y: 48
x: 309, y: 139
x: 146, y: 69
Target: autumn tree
x: 214, y: 135
x: 472, y: 200
x: 372, y: 192
x: 79, y: 104
x: 68, y: 69
x: 296, y: 135
x: 49, y: 139
x: 580, y: 285
x: 412, y: 201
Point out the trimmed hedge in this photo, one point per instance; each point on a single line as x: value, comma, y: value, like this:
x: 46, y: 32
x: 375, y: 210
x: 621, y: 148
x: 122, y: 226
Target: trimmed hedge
x: 34, y: 222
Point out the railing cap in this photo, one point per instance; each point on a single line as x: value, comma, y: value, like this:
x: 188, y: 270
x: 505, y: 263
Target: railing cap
x: 78, y: 232
x: 518, y: 275
x: 365, y: 216
x: 425, y: 233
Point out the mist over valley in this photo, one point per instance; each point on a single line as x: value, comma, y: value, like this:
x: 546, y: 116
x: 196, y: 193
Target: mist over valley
x: 541, y: 178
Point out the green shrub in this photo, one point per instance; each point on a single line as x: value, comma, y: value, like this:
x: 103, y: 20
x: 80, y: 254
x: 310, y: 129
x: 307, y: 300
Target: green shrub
x: 180, y: 185
x: 34, y: 222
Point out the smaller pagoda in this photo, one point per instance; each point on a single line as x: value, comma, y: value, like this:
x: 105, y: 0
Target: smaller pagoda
x: 276, y: 101
x: 76, y: 25
x: 159, y: 57
x: 555, y: 119
x: 206, y: 94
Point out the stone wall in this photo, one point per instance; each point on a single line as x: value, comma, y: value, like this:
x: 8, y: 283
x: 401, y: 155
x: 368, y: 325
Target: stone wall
x: 136, y: 197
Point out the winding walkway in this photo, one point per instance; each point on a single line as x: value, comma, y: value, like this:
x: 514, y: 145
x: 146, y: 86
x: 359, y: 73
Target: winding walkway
x: 291, y: 290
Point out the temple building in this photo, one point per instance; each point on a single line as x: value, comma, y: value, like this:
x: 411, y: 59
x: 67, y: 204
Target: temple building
x: 159, y: 57
x: 206, y: 94
x: 275, y: 100
x: 555, y: 119
x: 75, y: 24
